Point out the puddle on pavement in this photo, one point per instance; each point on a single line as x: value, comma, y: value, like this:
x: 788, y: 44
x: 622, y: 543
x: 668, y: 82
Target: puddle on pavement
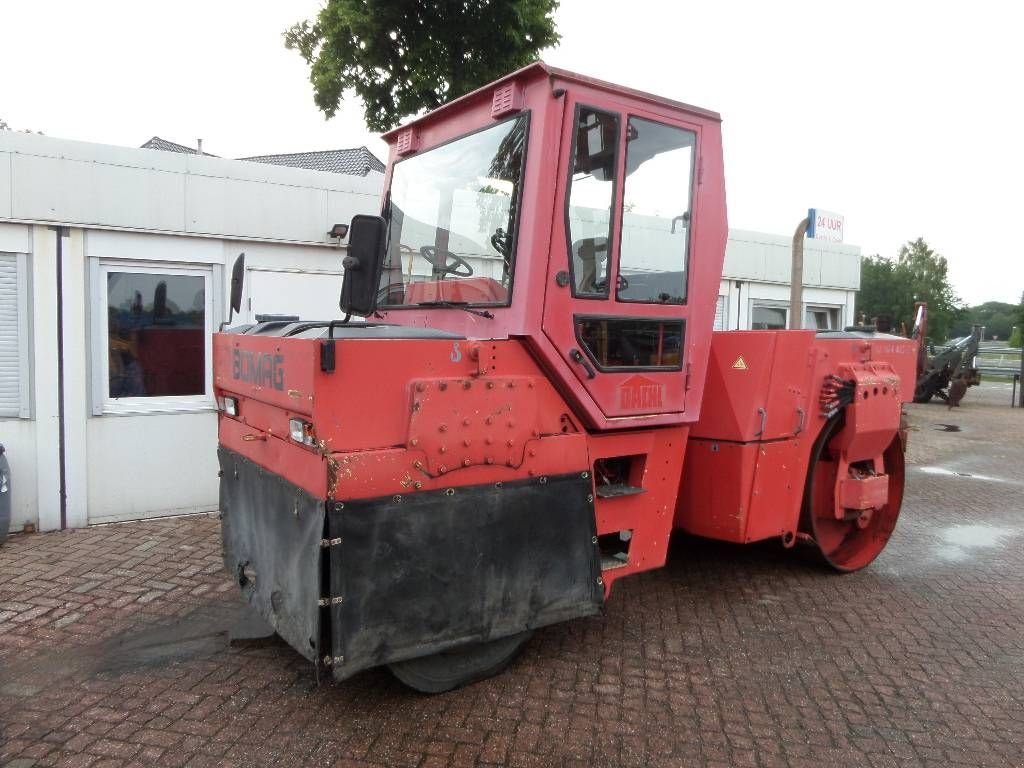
x: 942, y: 471
x: 203, y: 633
x: 960, y: 542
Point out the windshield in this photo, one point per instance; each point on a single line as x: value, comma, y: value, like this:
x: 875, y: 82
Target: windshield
x: 452, y: 215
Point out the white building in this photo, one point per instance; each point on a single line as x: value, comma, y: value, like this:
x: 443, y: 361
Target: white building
x: 754, y: 292
x: 93, y: 238
x: 108, y: 253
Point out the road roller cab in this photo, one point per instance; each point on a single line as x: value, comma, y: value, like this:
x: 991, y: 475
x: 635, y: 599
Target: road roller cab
x: 495, y: 430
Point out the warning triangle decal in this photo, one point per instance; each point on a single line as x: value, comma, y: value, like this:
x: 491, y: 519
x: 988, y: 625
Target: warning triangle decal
x: 740, y: 364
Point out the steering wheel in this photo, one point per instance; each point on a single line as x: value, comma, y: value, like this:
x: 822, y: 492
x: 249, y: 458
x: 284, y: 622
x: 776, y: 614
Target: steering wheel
x: 449, y: 265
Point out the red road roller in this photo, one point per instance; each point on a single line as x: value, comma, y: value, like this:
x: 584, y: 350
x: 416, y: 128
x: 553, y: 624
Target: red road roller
x: 524, y: 396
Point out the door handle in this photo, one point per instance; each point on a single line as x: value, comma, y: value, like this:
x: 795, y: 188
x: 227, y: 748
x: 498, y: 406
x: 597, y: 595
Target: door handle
x: 578, y: 357
x: 763, y: 413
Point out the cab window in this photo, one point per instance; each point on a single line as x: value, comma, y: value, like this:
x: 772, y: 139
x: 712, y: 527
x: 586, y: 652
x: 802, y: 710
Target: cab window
x: 591, y: 197
x: 656, y: 213
x: 626, y: 342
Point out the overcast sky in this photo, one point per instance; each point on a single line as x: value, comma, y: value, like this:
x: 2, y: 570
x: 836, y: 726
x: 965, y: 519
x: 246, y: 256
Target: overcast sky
x: 906, y: 117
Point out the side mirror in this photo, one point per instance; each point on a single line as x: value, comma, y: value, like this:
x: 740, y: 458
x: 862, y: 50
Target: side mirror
x: 237, y: 281
x: 366, y: 243
x: 237, y: 278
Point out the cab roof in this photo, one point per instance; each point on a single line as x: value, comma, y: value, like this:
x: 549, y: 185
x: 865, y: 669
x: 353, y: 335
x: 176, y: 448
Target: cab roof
x: 554, y: 73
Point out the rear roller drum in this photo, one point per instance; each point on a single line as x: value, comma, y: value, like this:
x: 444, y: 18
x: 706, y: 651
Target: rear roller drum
x: 850, y: 542
x: 459, y: 666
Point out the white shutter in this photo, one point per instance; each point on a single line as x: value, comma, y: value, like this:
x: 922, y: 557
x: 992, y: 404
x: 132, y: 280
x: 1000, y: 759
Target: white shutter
x: 10, y: 359
x: 720, y: 314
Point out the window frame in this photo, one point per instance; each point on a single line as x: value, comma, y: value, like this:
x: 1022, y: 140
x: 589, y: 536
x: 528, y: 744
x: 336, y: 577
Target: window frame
x: 769, y: 304
x: 689, y: 226
x: 23, y: 297
x: 527, y: 116
x: 578, y: 319
x: 615, y: 205
x: 102, y: 403
x: 837, y: 308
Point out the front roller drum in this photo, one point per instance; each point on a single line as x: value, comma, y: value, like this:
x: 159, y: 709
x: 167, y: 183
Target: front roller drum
x: 459, y: 666
x: 849, y: 541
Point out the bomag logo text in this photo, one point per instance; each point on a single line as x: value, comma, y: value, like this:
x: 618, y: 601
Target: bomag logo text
x: 260, y: 368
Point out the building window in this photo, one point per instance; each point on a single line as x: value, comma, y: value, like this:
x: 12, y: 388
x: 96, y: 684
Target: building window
x: 721, y: 314
x: 656, y: 213
x: 769, y: 316
x: 152, y: 337
x: 14, y: 355
x: 822, y: 318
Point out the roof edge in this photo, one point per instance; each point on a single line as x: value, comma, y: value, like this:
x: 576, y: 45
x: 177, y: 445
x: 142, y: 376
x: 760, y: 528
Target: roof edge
x: 562, y: 74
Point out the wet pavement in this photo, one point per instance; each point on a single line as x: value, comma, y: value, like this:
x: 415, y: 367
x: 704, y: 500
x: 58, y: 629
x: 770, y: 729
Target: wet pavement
x: 114, y: 650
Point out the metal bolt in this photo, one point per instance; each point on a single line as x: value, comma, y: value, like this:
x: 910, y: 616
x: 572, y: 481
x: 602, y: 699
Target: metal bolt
x: 489, y: 420
x: 511, y: 423
x: 442, y: 428
x: 511, y: 385
x: 465, y: 462
x: 396, y: 499
x: 593, y: 540
x: 590, y: 498
x: 490, y: 385
x: 489, y: 460
x: 416, y: 405
x: 543, y: 481
x: 465, y: 422
x: 414, y: 442
x: 529, y: 384
x: 443, y: 386
x: 533, y: 452
x: 510, y: 443
x: 466, y: 442
x: 488, y: 440
x: 585, y: 475
x: 417, y: 485
x: 442, y: 449
x: 442, y: 469
x: 420, y: 386
x: 600, y: 581
x: 467, y: 384
x: 449, y: 492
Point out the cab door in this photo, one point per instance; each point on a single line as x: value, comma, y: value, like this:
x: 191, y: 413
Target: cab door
x: 616, y: 304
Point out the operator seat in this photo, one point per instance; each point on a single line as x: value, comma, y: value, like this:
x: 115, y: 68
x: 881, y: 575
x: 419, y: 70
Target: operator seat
x: 590, y: 264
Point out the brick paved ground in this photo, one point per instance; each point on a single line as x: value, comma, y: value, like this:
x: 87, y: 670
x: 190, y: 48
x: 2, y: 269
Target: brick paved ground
x: 111, y: 652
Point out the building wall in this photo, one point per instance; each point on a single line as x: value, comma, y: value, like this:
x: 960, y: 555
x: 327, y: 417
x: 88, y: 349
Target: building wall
x: 758, y: 268
x: 110, y: 209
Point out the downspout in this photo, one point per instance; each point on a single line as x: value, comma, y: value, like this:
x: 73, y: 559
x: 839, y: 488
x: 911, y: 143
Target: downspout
x: 61, y: 442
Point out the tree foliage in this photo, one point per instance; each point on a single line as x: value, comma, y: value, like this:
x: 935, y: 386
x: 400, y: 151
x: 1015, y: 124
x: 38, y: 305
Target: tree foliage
x: 404, y: 56
x: 889, y: 288
x: 997, y: 317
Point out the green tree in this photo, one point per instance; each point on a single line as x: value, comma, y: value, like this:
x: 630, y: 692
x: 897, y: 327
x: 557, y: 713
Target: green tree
x: 1018, y: 333
x: 404, y: 56
x: 997, y: 317
x: 890, y: 287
